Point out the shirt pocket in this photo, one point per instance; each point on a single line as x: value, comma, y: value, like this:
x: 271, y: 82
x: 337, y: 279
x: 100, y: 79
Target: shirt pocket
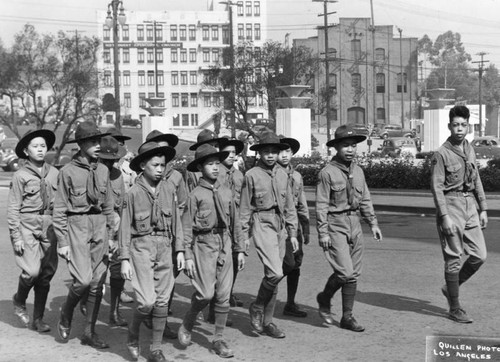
x: 452, y: 173
x: 78, y: 197
x: 31, y: 193
x: 142, y: 222
x: 202, y: 218
x: 262, y: 199
x: 338, y: 194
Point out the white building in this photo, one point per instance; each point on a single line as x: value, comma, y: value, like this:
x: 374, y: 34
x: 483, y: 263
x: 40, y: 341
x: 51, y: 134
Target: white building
x: 187, y: 44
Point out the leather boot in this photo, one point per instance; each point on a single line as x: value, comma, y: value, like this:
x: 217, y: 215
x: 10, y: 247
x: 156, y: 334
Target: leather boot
x: 41, y: 294
x: 90, y: 338
x: 66, y: 314
x: 115, y: 318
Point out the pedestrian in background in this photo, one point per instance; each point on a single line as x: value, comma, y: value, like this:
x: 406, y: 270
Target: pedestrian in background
x: 456, y: 187
x: 340, y: 194
x: 29, y: 215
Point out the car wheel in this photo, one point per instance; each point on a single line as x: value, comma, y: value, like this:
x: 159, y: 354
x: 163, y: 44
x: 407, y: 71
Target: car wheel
x: 13, y: 165
x: 139, y: 126
x: 385, y: 136
x: 6, y: 168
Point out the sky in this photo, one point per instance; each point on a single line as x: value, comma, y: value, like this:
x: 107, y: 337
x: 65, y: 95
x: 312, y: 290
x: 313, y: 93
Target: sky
x: 477, y: 21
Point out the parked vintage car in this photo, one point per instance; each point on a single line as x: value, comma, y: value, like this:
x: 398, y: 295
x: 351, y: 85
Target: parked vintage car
x: 131, y: 122
x: 360, y: 129
x: 393, y: 130
x: 397, y: 147
x: 8, y: 158
x: 486, y: 147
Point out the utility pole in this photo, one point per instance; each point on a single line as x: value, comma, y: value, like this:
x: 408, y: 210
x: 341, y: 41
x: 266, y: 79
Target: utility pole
x: 231, y: 66
x: 155, y: 40
x: 327, y: 67
x: 402, y: 80
x: 480, y: 70
x: 374, y: 71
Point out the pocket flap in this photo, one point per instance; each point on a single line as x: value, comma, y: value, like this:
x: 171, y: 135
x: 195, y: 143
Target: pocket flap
x: 453, y: 167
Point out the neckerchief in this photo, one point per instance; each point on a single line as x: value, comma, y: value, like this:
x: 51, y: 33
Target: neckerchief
x: 464, y: 155
x: 229, y: 178
x: 219, y: 204
x: 272, y: 172
x: 92, y: 188
x: 154, y: 199
x: 31, y: 168
x: 349, y: 172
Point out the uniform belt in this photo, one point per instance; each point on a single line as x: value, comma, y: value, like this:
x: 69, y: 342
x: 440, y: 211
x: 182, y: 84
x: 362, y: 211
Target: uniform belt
x: 90, y: 212
x: 343, y: 213
x: 160, y: 233
x: 39, y: 212
x: 457, y: 193
x: 211, y: 231
x: 274, y: 210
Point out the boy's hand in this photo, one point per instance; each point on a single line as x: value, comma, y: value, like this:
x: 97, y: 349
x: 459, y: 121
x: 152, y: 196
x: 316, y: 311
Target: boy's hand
x: 241, y: 261
x: 190, y: 269
x: 19, y: 247
x: 126, y: 270
x: 306, y: 239
x: 448, y: 226
x: 64, y: 253
x: 325, y: 242
x: 181, y: 261
x: 483, y: 219
x: 295, y: 244
x: 112, y: 246
x: 377, y: 233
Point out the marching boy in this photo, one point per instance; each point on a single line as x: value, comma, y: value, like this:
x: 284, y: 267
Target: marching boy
x: 84, y: 223
x: 29, y: 217
x: 212, y: 233
x: 293, y: 261
x: 342, y: 192
x: 149, y: 230
x: 456, y: 187
x: 267, y: 213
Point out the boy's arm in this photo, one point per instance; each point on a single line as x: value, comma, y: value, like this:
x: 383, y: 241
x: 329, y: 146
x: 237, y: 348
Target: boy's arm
x: 366, y: 206
x: 187, y: 224
x: 60, y: 213
x: 303, y: 209
x: 14, y: 205
x: 239, y: 245
x: 322, y: 202
x: 181, y: 194
x: 291, y: 219
x: 246, y: 206
x: 178, y: 234
x: 124, y: 233
x: 479, y: 190
x: 108, y: 208
x: 437, y: 184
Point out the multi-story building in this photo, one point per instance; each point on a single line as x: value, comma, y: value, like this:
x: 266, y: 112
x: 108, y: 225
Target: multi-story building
x: 188, y: 43
x: 372, y: 73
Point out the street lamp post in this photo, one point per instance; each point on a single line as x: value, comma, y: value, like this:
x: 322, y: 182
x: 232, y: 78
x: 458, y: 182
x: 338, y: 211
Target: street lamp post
x: 112, y: 20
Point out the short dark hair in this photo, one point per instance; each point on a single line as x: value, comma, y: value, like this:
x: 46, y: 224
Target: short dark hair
x: 459, y: 111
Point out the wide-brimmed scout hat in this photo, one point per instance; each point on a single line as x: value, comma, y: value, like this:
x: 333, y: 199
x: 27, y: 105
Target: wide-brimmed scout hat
x: 345, y: 131
x: 203, y: 153
x: 238, y: 145
x: 149, y: 149
x: 157, y: 136
x: 111, y: 149
x: 292, y: 142
x: 117, y: 134
x: 204, y: 137
x: 269, y: 139
x: 86, y: 131
x: 49, y: 136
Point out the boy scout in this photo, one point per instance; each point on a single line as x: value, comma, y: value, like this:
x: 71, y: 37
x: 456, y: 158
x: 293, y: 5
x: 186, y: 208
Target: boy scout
x: 266, y: 208
x: 209, y: 219
x: 456, y: 187
x: 84, y: 225
x: 149, y: 230
x: 293, y: 261
x: 29, y: 212
x: 340, y: 193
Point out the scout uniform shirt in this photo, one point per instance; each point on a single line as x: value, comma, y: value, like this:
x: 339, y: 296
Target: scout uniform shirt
x: 192, y: 180
x: 233, y: 179
x: 342, y: 189
x: 299, y: 197
x: 175, y: 178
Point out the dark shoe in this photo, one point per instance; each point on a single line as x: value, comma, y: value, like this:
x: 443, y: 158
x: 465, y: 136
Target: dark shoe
x: 63, y: 325
x: 40, y: 326
x: 125, y: 298
x: 93, y: 341
x: 324, y: 309
x: 116, y: 320
x: 293, y: 310
x: 444, y: 290
x: 273, y: 331
x: 221, y: 349
x: 83, y: 308
x: 460, y: 316
x: 256, y: 318
x: 184, y: 336
x: 234, y: 301
x: 156, y: 356
x: 21, y: 312
x: 169, y: 334
x: 351, y: 324
x: 211, y: 320
x: 133, y: 346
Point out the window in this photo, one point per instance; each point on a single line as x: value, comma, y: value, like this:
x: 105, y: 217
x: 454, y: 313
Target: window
x: 240, y: 8
x: 151, y: 77
x: 161, y: 95
x: 174, y: 56
x: 151, y: 55
x: 125, y: 33
x: 142, y: 77
x: 380, y: 81
x: 356, y: 81
x: 216, y: 101
x: 175, y: 78
x: 248, y: 6
x: 206, y: 101
x: 225, y: 35
x: 215, y: 55
x: 193, y: 77
x: 142, y: 100
x: 182, y: 33
x: 126, y: 55
x: 401, y: 86
x: 249, y: 31
x: 140, y: 32
x: 194, y: 100
x: 192, y: 32
x: 256, y: 8
x: 160, y: 78
x: 149, y: 33
x: 241, y: 31
x: 332, y: 52
x: 176, y: 120
x: 185, y: 120
x: 334, y: 112
x: 380, y: 54
x: 257, y: 31
x: 205, y: 32
x: 126, y: 78
x: 159, y: 32
x: 356, y: 48
x: 173, y: 32
x: 380, y: 114
x: 194, y: 120
x: 106, y: 55
x: 257, y: 54
x: 333, y: 82
x: 192, y: 55
x: 127, y: 100
x: 106, y: 33
x: 356, y: 115
x: 184, y: 78
x: 258, y: 75
x: 175, y: 99
x: 159, y: 55
x: 206, y: 55
x: 183, y: 55
x: 215, y: 32
x: 107, y: 78
x: 184, y: 100
x: 140, y: 55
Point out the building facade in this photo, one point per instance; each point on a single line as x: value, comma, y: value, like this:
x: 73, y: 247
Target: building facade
x: 372, y: 73
x: 186, y: 44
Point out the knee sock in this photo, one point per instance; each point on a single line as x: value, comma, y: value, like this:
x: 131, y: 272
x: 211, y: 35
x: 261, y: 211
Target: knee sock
x: 41, y: 294
x: 116, y: 287
x: 69, y: 306
x: 221, y: 314
x: 269, y: 308
x: 196, y: 307
x: 135, y: 326
x: 467, y: 270
x: 292, y: 283
x: 348, y: 294
x: 23, y: 289
x: 235, y: 270
x: 264, y: 295
x: 452, y: 284
x: 159, y: 319
x: 332, y: 285
x: 93, y: 306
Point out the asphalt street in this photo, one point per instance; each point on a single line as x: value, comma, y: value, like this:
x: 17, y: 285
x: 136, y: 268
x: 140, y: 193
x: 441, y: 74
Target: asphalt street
x: 398, y: 301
